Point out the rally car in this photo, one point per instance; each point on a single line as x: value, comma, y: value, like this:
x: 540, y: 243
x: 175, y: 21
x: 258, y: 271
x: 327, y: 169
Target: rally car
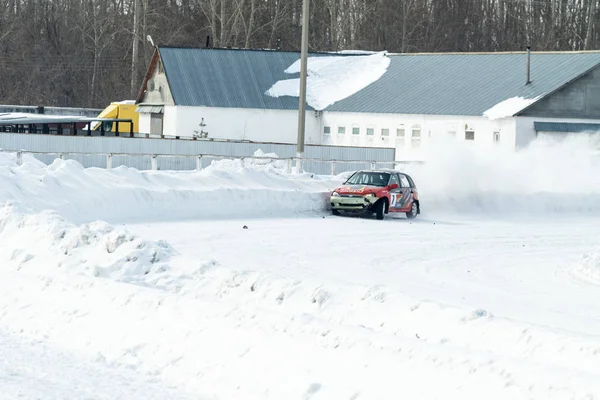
x: 377, y: 192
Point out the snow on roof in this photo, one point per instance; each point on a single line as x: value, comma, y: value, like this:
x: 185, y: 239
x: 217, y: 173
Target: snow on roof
x: 355, y: 52
x: 27, y: 117
x: 509, y: 107
x: 331, y: 79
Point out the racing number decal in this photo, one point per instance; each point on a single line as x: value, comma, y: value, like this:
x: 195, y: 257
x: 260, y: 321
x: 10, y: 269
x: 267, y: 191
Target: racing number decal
x: 400, y: 200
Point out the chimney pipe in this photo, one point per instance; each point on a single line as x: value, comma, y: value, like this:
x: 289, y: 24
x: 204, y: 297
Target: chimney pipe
x: 528, y: 66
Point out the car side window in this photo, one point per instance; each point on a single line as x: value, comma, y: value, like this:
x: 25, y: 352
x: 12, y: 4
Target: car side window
x: 394, y: 179
x: 404, y: 181
x: 412, y: 183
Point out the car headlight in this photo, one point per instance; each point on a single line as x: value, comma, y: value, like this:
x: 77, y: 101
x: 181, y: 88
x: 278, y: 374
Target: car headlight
x: 335, y: 194
x: 370, y: 195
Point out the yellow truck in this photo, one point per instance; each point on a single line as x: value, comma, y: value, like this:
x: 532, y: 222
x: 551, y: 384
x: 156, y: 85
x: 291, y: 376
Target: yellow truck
x: 121, y: 110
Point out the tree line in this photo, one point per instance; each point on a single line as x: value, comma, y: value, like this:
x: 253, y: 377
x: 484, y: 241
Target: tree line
x: 87, y: 53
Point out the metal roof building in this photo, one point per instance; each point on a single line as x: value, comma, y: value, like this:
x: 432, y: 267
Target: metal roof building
x: 441, y: 84
x: 465, y: 84
x: 227, y: 78
x: 224, y: 90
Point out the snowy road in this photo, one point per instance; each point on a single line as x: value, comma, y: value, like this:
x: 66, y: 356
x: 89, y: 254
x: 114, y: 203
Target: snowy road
x: 496, y: 301
x: 522, y: 270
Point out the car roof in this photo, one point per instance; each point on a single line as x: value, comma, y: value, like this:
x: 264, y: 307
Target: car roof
x: 389, y: 171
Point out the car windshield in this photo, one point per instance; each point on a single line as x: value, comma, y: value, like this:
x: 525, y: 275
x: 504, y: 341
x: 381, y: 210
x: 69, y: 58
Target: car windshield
x: 369, y: 178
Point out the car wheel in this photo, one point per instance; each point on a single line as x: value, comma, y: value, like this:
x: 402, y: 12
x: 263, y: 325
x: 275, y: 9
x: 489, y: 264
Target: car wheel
x: 335, y: 212
x: 380, y: 209
x: 414, y: 210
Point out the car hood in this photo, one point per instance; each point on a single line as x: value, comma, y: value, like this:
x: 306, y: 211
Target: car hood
x: 357, y: 189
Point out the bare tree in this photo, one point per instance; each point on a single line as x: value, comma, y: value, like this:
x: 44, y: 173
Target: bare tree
x: 91, y: 52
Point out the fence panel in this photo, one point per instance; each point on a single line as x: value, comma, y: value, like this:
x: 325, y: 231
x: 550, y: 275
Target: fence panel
x: 125, y: 145
x: 182, y: 155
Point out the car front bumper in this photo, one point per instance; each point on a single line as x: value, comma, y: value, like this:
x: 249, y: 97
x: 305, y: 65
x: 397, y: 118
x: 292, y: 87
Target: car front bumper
x: 352, y: 203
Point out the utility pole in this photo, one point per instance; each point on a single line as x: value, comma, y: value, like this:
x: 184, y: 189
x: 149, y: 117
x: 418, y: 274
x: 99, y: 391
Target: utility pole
x: 303, y: 73
x: 134, y: 53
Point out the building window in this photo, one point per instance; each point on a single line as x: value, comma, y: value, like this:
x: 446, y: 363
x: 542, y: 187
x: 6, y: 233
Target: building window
x: 469, y: 132
x: 416, y: 136
x: 496, y: 137
x: 327, y: 130
x: 400, y: 134
x: 370, y: 131
x: 341, y: 130
x: 385, y: 132
x: 356, y: 130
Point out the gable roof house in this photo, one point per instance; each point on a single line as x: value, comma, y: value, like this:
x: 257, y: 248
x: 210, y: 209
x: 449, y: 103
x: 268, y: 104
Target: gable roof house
x: 371, y: 99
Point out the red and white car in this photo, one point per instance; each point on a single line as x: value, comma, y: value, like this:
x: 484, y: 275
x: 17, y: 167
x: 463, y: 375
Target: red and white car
x: 377, y: 192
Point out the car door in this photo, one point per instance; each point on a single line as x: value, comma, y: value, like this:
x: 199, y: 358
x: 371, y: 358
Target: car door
x: 405, y: 200
x: 395, y: 194
x: 413, y: 187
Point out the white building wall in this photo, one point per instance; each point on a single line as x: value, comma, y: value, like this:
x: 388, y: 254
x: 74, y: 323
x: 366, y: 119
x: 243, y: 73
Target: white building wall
x: 420, y: 131
x: 170, y: 121
x: 277, y: 126
x: 144, y: 123
x: 526, y: 129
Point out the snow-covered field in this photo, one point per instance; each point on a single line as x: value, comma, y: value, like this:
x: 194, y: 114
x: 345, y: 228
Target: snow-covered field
x: 235, y: 282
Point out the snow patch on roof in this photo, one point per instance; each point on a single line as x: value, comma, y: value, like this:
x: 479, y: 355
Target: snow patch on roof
x: 509, y: 107
x: 17, y: 117
x: 331, y: 79
x: 355, y: 52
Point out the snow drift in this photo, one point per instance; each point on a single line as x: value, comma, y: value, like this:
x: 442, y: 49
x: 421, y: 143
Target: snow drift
x: 548, y: 177
x: 95, y: 249
x: 228, y: 188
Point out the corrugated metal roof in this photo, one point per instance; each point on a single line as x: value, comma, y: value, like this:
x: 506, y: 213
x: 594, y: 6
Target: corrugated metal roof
x: 228, y: 78
x: 568, y: 127
x: 464, y: 84
x: 150, y: 109
x: 442, y: 84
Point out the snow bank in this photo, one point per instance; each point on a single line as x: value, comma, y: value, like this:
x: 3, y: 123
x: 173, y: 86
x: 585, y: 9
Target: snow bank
x: 95, y: 249
x: 228, y: 188
x: 331, y: 79
x: 509, y: 107
x: 345, y: 341
x: 547, y: 177
x: 10, y: 160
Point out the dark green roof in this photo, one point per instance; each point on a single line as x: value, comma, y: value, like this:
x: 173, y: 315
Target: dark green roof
x: 441, y: 84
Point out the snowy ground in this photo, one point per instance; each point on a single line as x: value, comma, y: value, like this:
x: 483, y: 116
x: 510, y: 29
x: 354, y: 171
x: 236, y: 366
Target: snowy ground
x: 484, y: 308
x: 34, y: 370
x: 491, y: 293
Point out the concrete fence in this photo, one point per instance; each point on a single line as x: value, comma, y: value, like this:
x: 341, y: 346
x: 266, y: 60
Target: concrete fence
x: 182, y: 155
